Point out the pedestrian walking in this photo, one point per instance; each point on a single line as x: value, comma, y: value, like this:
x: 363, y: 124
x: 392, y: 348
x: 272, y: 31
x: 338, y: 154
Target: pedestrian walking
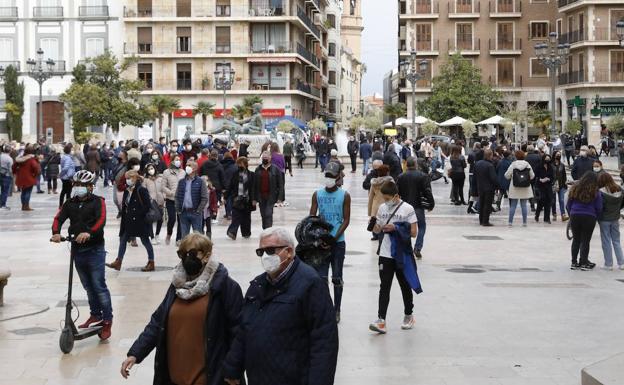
x: 242, y: 193
x: 391, y: 159
x: 353, y: 148
x: 545, y: 178
x: 6, y: 176
x: 503, y: 183
x: 288, y: 333
x: 278, y: 161
x: 375, y: 197
x: 191, y: 199
x: 53, y: 165
x: 288, y: 151
x: 268, y: 189
x: 94, y: 162
x: 27, y: 170
x: 609, y: 221
x: 153, y: 182
x: 301, y: 156
x: 229, y: 169
x: 473, y: 194
x: 520, y: 174
x: 213, y: 169
x: 582, y: 164
x: 107, y: 159
x: 171, y: 178
x: 211, y: 209
x: 366, y: 153
x: 322, y: 151
x: 560, y: 187
x: 135, y: 206
x: 457, y: 173
x: 485, y: 178
x: 333, y: 205
x: 584, y: 206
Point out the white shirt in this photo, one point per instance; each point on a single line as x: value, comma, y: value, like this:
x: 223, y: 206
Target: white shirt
x: 405, y: 213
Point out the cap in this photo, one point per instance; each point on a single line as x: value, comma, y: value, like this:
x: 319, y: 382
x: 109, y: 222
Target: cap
x: 332, y: 169
x: 333, y: 152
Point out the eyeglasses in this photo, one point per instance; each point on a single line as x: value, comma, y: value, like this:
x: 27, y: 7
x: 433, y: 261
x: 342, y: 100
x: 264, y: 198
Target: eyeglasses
x: 269, y: 250
x: 186, y: 254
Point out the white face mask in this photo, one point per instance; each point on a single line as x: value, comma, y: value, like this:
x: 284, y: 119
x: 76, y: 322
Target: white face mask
x: 174, y: 148
x: 583, y: 153
x: 129, y: 182
x: 155, y: 156
x: 188, y: 148
x: 151, y: 171
x: 271, y: 263
x: 330, y: 182
x: 189, y: 170
x: 177, y: 163
x: 136, y: 168
x: 150, y: 150
x: 597, y: 169
x: 79, y: 191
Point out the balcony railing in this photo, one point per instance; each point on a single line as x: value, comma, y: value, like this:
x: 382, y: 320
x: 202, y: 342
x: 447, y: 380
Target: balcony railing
x: 269, y: 84
x: 303, y: 51
x: 8, y: 13
x: 10, y: 63
x: 501, y: 8
x: 184, y: 84
x: 204, y: 48
x: 502, y: 45
x: 564, y: 3
x: 48, y: 12
x: 93, y: 11
x: 262, y: 8
x: 426, y: 45
x: 422, y: 8
x: 308, y: 89
x: 464, y: 9
x: 572, y: 77
x: 59, y: 66
x: 609, y: 75
x: 505, y: 82
x: 573, y: 37
x: 464, y: 45
x: 306, y: 20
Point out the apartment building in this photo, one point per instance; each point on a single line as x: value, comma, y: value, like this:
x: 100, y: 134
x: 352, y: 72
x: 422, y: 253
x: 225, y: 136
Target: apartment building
x: 278, y: 50
x: 332, y: 107
x: 499, y: 37
x: 352, y: 70
x: 67, y: 31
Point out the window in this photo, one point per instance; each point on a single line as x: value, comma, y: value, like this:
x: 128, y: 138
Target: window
x: 581, y: 66
x: 332, y: 106
x: 464, y: 36
x: 183, y: 8
x: 145, y: 39
x: 505, y: 72
x: 616, y: 15
x: 332, y: 77
x: 94, y: 47
x: 571, y: 25
x: 269, y: 38
x: 423, y: 6
x: 184, y: 76
x: 223, y: 39
x: 559, y: 27
x: 224, y: 8
x: 221, y: 68
x: 537, y: 69
x: 332, y: 49
x: 6, y: 47
x: 145, y: 74
x: 463, y: 6
x: 268, y: 77
x: 331, y: 20
x: 539, y: 30
x: 505, y: 36
x: 423, y: 37
x: 504, y: 6
x: 184, y: 39
x: 581, y: 25
x: 144, y: 8
x: 425, y: 82
x: 50, y: 47
x: 617, y: 66
x: 352, y: 9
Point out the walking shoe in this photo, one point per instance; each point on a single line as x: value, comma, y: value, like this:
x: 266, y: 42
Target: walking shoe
x: 116, y: 265
x: 590, y: 263
x: 5, y: 208
x: 105, y: 333
x: 587, y: 266
x: 92, y: 321
x: 378, y: 326
x: 156, y: 240
x: 408, y: 322
x: 40, y: 192
x: 417, y: 254
x: 149, y: 267
x: 575, y: 266
x: 178, y: 243
x: 564, y: 218
x: 472, y: 211
x: 231, y: 236
x: 605, y: 267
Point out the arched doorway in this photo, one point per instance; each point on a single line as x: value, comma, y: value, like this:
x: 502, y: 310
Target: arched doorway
x: 53, y: 116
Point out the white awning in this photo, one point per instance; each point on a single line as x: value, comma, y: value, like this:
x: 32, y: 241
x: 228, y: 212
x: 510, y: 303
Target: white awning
x: 494, y: 120
x: 456, y: 121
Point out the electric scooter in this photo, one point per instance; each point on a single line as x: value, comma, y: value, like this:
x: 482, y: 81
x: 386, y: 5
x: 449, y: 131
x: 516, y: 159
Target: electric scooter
x: 70, y: 333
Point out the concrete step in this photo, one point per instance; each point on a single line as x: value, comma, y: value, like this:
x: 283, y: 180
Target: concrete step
x: 606, y: 372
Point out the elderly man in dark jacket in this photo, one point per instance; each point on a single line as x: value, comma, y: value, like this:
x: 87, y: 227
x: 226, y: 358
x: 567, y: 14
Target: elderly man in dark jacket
x: 366, y: 185
x: 485, y: 178
x: 534, y: 159
x: 268, y: 189
x: 582, y: 164
x: 353, y: 148
x: 415, y: 189
x: 391, y: 159
x: 288, y: 332
x: 214, y: 170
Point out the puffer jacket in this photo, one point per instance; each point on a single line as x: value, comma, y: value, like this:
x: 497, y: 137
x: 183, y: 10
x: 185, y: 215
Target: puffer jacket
x: 519, y: 192
x: 154, y: 187
x: 375, y: 198
x: 612, y: 203
x: 26, y: 170
x: 171, y: 178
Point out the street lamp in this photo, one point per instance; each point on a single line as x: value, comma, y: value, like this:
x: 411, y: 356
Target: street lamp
x: 619, y: 30
x: 40, y: 70
x: 413, y: 72
x: 552, y: 56
x: 224, y: 79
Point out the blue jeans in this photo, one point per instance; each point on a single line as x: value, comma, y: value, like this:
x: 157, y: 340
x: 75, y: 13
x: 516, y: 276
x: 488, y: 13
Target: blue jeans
x: 323, y: 161
x: 367, y: 163
x: 561, y: 197
x: 513, y: 203
x: 90, y: 268
x: 337, y: 262
x: 25, y: 196
x: 190, y: 219
x: 610, y: 238
x: 5, y: 187
x: 422, y: 229
x: 123, y: 243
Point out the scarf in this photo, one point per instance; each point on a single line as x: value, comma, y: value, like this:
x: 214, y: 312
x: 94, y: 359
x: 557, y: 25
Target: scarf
x: 188, y: 290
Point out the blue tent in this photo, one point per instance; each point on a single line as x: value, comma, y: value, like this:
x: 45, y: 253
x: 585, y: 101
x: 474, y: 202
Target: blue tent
x: 273, y: 124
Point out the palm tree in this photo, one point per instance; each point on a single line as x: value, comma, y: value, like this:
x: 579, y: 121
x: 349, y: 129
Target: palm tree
x: 164, y: 104
x: 395, y: 111
x: 205, y: 109
x: 249, y: 102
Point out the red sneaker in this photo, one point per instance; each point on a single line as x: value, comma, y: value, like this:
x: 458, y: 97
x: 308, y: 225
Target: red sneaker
x: 92, y: 321
x: 105, y: 333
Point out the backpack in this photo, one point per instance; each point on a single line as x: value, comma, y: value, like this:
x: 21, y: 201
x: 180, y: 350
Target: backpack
x: 522, y: 178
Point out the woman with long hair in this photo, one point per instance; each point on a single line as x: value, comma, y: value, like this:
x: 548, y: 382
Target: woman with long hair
x: 519, y: 192
x: 609, y: 220
x: 584, y: 206
x: 153, y: 182
x: 544, y: 184
x: 457, y: 173
x: 171, y: 178
x: 560, y: 187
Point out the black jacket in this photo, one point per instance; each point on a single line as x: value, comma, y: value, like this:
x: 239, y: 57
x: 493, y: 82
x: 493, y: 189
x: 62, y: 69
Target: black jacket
x: 581, y: 165
x: 288, y: 332
x: 560, y: 174
x: 85, y: 216
x: 542, y: 173
x: 535, y: 161
x: 221, y: 326
x: 485, y: 176
x: 366, y: 185
x: 229, y: 169
x: 215, y: 172
x: 391, y: 159
x: 415, y: 188
x: 353, y: 147
x: 275, y: 184
x: 133, y: 213
x: 250, y: 186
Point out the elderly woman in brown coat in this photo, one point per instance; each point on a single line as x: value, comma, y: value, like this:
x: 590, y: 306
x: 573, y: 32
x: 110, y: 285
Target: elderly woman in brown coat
x: 375, y: 197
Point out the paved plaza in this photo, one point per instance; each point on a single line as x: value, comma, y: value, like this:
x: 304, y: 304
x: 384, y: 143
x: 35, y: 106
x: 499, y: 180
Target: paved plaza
x: 500, y: 305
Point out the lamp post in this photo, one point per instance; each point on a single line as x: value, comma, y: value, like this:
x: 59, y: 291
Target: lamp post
x: 224, y: 79
x: 619, y: 30
x: 413, y: 72
x: 552, y: 56
x: 40, y: 70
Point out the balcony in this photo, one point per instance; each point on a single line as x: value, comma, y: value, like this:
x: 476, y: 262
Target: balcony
x: 315, y: 3
x: 263, y: 47
x: 423, y: 48
x: 308, y: 23
x: 307, y: 55
x: 59, y: 67
x: 430, y: 10
x: 506, y: 9
x: 307, y: 88
x: 465, y: 47
x: 565, y: 3
x: 184, y: 84
x: 10, y: 63
x: 47, y: 13
x: 266, y: 8
x: 573, y: 37
x: 464, y: 11
x: 8, y: 13
x: 268, y: 84
x: 93, y: 13
x: 571, y: 78
x: 505, y: 47
x: 609, y: 76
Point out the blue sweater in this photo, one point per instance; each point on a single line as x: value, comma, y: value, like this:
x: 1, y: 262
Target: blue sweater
x: 68, y: 168
x: 593, y: 208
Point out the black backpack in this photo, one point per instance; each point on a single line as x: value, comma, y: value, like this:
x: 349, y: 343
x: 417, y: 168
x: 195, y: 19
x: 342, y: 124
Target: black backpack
x: 522, y: 178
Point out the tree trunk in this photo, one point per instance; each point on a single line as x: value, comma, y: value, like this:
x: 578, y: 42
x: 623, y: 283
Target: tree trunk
x: 204, y: 118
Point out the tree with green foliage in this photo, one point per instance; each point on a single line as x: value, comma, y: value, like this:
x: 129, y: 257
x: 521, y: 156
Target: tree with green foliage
x: 204, y: 109
x: 285, y: 126
x: 429, y: 128
x: 615, y: 124
x: 539, y: 117
x: 573, y: 127
x: 395, y: 111
x: 14, y: 106
x: 163, y: 105
x: 459, y: 91
x: 317, y: 126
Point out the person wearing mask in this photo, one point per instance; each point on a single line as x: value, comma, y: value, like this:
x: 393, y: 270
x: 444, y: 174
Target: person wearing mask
x: 188, y: 152
x: 584, y: 206
x: 194, y: 326
x: 288, y: 155
x: 203, y: 157
x: 534, y: 158
x: 277, y: 160
x: 161, y: 146
x: 597, y: 167
x: 560, y: 187
x: 241, y: 191
x: 211, y: 209
x: 53, y: 165
x: 94, y: 162
x: 391, y: 159
x: 582, y: 164
x: 520, y: 174
x: 171, y: 178
x: 87, y: 217
x: 213, y: 169
x: 229, y: 169
x: 322, y: 151
x: 503, y: 183
x: 191, y: 199
x: 135, y: 206
x: 545, y: 177
x: 301, y: 155
x: 173, y: 150
x: 6, y: 175
x: 366, y: 153
x: 353, y: 148
x: 396, y: 223
x: 146, y: 157
x: 609, y: 221
x: 106, y: 156
x: 333, y: 205
x: 153, y: 182
x: 457, y: 173
x: 268, y: 188
x: 485, y: 178
x: 366, y: 185
x: 27, y: 170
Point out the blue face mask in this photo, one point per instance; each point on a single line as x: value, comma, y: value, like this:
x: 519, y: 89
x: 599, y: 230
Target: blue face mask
x: 79, y: 192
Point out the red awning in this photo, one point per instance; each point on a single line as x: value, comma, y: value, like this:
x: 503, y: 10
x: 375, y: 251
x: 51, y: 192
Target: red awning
x: 272, y: 60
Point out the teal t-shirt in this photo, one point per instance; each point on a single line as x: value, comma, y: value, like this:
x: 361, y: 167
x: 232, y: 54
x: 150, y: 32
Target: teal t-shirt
x: 331, y: 208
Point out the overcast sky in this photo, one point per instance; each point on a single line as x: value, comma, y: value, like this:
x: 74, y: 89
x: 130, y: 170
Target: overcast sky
x: 379, y: 42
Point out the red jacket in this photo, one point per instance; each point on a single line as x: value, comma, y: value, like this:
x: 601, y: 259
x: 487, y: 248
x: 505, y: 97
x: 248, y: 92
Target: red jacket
x: 26, y: 170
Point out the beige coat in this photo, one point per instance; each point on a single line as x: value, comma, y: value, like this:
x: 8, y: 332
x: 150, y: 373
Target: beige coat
x: 171, y: 177
x: 519, y: 192
x: 154, y: 187
x: 375, y: 198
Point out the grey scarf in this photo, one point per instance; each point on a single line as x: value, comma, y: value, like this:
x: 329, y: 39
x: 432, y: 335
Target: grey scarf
x: 196, y: 288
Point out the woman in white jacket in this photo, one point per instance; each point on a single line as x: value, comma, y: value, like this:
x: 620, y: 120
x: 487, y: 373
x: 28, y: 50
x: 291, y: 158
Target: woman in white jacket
x: 517, y: 193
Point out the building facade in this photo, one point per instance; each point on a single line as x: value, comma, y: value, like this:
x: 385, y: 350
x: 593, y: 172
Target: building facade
x: 351, y: 60
x: 68, y: 31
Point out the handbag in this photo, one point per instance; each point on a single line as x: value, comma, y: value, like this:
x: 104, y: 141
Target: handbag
x: 241, y: 203
x: 153, y: 214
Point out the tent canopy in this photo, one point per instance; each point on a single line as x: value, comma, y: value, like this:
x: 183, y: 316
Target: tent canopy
x: 272, y: 125
x: 456, y: 121
x: 408, y: 122
x: 494, y: 120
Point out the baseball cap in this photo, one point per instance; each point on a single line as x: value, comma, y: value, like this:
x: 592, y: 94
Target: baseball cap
x: 332, y: 169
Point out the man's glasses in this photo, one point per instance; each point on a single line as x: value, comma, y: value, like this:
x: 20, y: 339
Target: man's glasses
x: 186, y: 254
x: 269, y: 250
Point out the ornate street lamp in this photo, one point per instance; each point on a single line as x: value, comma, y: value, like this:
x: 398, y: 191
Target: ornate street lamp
x: 414, y: 72
x: 40, y: 70
x: 552, y: 56
x: 224, y: 79
x: 619, y: 30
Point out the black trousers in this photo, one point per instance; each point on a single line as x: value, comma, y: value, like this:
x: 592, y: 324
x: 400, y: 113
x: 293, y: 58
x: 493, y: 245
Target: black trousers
x: 486, y: 199
x: 208, y: 226
x: 172, y: 218
x: 457, y: 190
x: 242, y: 219
x: 52, y: 184
x: 387, y: 270
x: 544, y: 203
x: 288, y: 161
x: 66, y: 190
x: 353, y: 162
x: 266, y: 212
x: 582, y: 231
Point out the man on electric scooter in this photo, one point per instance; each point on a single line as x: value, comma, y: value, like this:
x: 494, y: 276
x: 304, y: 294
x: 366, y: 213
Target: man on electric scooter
x: 87, y: 216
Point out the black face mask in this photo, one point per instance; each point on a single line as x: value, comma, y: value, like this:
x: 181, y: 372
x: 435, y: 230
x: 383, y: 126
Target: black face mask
x: 192, y: 265
x: 265, y: 161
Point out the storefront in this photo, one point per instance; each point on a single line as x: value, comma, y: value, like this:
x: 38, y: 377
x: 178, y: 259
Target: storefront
x: 182, y: 120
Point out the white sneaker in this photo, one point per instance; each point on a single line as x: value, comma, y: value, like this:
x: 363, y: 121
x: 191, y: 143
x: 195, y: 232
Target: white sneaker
x: 608, y: 268
x: 6, y: 208
x: 378, y: 326
x: 408, y: 322
x: 156, y: 241
x: 215, y: 221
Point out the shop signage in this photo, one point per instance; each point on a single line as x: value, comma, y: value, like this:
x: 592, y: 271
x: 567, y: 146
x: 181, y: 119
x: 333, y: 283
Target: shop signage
x: 267, y: 112
x: 612, y: 109
x: 185, y: 113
